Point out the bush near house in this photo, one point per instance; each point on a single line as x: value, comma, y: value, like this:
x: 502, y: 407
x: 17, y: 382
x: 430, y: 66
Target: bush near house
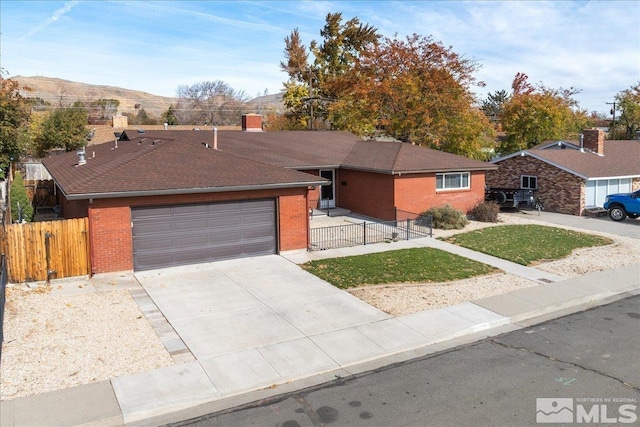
x: 447, y: 218
x: 21, y: 208
x: 485, y: 211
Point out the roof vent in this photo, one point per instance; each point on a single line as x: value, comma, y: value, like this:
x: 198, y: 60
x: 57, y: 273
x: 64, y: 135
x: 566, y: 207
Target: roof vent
x: 81, y: 159
x: 140, y: 130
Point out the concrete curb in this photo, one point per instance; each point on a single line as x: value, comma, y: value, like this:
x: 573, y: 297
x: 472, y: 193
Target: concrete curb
x: 98, y: 404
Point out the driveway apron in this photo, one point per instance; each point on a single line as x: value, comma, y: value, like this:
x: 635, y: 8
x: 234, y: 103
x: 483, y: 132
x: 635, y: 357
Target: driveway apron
x: 233, y: 306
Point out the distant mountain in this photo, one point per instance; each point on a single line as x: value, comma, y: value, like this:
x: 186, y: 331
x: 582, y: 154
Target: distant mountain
x: 55, y: 91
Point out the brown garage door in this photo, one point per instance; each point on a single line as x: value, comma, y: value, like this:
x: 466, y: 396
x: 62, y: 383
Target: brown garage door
x: 177, y: 235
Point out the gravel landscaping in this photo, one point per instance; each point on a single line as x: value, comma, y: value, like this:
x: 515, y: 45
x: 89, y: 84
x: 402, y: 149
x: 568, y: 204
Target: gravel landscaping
x: 402, y: 299
x: 57, y: 341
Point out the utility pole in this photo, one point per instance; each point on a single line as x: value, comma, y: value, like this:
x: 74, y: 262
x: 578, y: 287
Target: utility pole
x: 613, y: 121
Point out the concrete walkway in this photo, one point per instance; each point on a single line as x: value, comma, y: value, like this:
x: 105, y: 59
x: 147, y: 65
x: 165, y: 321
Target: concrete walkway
x: 275, y: 328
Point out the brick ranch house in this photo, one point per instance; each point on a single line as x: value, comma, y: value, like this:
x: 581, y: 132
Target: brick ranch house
x: 571, y: 177
x: 165, y: 198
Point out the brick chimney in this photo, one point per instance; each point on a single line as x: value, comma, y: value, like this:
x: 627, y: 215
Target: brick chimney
x: 594, y: 140
x: 252, y: 123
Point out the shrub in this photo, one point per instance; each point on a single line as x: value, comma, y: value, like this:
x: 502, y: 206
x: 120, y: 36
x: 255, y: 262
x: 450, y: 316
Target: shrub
x: 486, y: 211
x: 18, y: 194
x: 447, y: 218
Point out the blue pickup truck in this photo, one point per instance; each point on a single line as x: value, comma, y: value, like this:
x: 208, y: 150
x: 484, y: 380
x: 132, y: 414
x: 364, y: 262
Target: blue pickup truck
x: 623, y: 205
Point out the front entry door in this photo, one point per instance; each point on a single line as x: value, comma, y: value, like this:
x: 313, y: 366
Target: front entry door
x: 328, y: 192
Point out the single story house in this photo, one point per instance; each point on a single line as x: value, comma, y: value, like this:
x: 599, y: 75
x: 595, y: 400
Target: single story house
x: 572, y: 176
x: 164, y: 198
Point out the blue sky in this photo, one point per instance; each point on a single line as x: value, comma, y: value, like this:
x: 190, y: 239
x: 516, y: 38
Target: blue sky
x: 155, y: 46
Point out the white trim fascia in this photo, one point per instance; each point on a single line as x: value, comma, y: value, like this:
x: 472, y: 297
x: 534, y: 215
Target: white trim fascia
x: 508, y: 156
x: 602, y: 178
x: 542, y: 159
x: 568, y: 144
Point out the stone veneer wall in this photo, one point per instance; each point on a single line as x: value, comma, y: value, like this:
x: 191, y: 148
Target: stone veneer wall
x: 559, y: 191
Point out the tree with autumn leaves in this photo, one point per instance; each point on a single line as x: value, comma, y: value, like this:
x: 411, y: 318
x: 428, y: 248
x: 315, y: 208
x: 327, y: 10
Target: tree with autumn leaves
x: 15, y: 112
x: 311, y: 87
x: 628, y: 104
x: 414, y: 89
x: 534, y: 114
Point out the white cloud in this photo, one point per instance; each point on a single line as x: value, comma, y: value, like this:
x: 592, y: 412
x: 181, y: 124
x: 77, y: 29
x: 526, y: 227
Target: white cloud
x: 155, y: 46
x: 53, y: 18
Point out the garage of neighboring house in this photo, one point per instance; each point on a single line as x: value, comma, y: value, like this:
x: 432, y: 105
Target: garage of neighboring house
x: 176, y: 235
x: 597, y: 189
x: 572, y: 177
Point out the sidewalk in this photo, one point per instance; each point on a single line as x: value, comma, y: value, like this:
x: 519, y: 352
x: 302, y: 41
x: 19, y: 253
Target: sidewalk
x: 185, y: 390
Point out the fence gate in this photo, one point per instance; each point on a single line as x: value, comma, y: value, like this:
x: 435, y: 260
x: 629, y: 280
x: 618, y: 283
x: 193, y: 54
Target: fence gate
x: 46, y: 250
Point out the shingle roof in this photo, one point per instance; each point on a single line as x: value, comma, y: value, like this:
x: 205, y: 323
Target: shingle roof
x: 620, y: 159
x: 179, y: 161
x: 147, y: 165
x: 394, y: 157
x: 313, y: 150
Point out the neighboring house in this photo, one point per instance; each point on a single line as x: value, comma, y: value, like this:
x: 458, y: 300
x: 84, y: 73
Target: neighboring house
x: 164, y: 198
x: 571, y: 177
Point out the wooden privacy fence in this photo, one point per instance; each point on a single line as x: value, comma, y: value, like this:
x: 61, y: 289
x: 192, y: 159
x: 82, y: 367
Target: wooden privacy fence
x: 46, y: 250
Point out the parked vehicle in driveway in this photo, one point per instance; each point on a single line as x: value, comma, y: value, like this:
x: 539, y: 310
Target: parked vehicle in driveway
x: 623, y: 205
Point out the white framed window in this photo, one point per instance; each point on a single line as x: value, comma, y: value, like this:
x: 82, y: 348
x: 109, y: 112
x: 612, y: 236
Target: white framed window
x: 452, y: 180
x: 529, y: 182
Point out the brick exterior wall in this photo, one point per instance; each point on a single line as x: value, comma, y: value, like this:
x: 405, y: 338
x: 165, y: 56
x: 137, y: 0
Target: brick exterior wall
x: 111, y: 234
x: 366, y: 193
x: 314, y: 193
x: 378, y: 195
x: 293, y: 222
x: 559, y: 191
x: 417, y: 193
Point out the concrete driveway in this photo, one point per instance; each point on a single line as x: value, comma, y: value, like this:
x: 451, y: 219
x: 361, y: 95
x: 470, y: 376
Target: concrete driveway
x: 627, y: 228
x: 257, y: 312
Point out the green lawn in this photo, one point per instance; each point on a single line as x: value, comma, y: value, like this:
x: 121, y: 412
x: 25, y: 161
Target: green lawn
x: 527, y: 244
x: 418, y: 265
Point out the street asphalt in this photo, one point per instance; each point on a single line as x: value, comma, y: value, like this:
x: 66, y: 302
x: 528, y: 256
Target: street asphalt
x: 249, y: 329
x: 590, y: 357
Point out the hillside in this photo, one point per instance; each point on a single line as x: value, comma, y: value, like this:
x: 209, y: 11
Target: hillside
x: 54, y: 90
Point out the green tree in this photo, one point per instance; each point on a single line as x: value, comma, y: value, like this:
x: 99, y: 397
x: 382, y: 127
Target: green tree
x: 312, y: 86
x: 493, y: 105
x: 15, y: 113
x: 64, y: 128
x: 535, y: 114
x: 21, y: 208
x: 628, y: 103
x: 169, y: 116
x: 415, y: 90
